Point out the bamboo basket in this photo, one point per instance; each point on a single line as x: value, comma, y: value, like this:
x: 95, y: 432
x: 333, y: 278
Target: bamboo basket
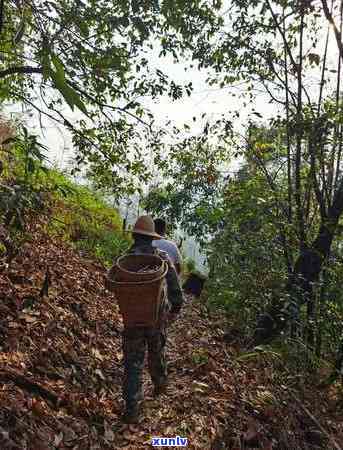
x: 139, y: 294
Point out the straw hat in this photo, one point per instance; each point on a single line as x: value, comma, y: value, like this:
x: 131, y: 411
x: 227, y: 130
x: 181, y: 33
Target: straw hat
x: 145, y: 225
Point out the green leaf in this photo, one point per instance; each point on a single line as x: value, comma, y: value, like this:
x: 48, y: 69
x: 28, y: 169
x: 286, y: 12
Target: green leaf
x: 46, y: 66
x: 30, y: 165
x: 75, y: 98
x: 60, y: 82
x: 248, y: 356
x: 59, y: 68
x: 68, y: 93
x: 82, y: 107
x: 20, y: 32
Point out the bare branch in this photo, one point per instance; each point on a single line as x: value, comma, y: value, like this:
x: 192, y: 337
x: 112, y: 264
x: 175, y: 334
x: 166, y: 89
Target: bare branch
x: 318, y: 192
x: 2, y: 8
x: 278, y: 26
x: 288, y: 50
x: 288, y: 136
x: 299, y: 136
x: 338, y: 34
x: 337, y: 204
x: 338, y: 127
x: 322, y: 80
x: 20, y: 70
x: 105, y: 105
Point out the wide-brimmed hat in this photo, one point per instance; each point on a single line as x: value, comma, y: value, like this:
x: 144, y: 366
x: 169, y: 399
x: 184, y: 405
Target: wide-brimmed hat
x: 145, y: 225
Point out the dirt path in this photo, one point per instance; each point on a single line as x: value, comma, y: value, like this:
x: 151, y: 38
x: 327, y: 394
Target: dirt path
x: 69, y: 344
x: 66, y: 351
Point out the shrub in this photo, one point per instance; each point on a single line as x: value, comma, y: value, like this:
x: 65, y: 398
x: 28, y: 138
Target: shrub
x: 75, y: 213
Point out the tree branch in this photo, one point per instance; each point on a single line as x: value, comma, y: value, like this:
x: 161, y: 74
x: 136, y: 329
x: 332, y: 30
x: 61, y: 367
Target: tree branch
x: 338, y: 34
x: 22, y: 70
x: 288, y: 50
x: 337, y: 204
x: 338, y: 127
x: 278, y: 26
x: 105, y: 105
x: 335, y: 445
x: 288, y: 135
x: 2, y: 7
x: 299, y: 136
x: 317, y: 191
x: 63, y: 121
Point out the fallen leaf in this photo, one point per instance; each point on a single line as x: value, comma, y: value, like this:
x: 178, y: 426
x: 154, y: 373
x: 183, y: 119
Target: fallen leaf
x: 28, y: 318
x: 97, y: 354
x: 58, y: 439
x: 101, y: 375
x: 109, y: 435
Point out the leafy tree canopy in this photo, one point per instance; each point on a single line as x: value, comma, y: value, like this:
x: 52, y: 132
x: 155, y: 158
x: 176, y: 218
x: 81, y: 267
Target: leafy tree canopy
x: 94, y: 57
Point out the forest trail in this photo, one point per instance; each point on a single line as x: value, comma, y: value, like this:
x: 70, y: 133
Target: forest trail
x: 60, y: 370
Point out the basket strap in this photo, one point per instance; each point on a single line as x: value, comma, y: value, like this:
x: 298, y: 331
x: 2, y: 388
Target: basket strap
x: 137, y: 254
x: 135, y: 283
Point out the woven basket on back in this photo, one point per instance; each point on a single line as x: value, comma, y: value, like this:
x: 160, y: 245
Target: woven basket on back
x: 139, y: 294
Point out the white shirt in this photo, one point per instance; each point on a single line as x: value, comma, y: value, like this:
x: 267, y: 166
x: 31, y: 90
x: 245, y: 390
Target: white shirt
x: 170, y: 248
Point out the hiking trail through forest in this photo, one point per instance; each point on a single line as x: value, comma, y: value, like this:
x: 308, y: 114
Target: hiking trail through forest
x: 61, y: 370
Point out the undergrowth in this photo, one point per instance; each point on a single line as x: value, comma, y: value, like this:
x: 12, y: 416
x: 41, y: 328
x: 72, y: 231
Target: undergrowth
x: 28, y: 189
x: 82, y: 217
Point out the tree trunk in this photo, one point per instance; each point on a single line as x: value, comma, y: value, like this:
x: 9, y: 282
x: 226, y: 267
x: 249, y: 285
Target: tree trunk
x: 339, y: 361
x: 306, y: 271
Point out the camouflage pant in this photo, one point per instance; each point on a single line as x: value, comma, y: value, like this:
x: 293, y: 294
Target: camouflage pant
x: 135, y: 342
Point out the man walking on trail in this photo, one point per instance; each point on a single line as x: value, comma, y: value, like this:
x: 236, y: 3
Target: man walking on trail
x: 136, y: 339
x: 167, y: 245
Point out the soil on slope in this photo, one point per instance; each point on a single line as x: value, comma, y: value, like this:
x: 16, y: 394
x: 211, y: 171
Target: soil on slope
x: 60, y: 371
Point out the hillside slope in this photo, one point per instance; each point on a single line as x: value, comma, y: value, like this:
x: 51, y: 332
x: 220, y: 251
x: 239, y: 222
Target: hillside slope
x: 60, y: 370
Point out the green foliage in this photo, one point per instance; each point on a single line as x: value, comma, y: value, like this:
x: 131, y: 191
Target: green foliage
x: 95, y: 56
x: 83, y: 218
x: 30, y: 189
x: 20, y: 191
x: 247, y: 268
x: 281, y: 204
x: 189, y: 265
x: 257, y: 353
x: 200, y: 356
x: 329, y: 299
x: 191, y: 195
